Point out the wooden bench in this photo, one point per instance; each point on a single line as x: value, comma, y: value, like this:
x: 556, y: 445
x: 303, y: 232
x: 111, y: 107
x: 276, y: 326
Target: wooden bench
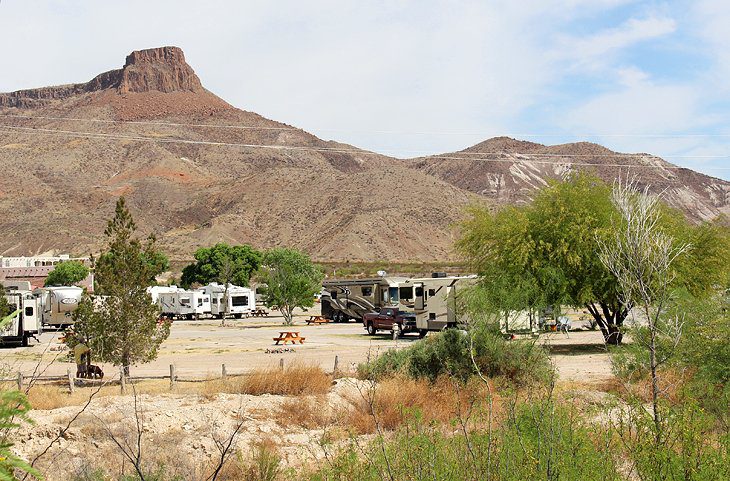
x: 289, y: 336
x: 317, y: 320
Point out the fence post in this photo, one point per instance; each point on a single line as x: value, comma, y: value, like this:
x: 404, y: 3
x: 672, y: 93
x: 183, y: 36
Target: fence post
x: 173, y: 377
x: 20, y: 381
x: 70, y: 374
x: 223, y: 371
x: 281, y: 363
x: 334, y: 370
x: 123, y: 380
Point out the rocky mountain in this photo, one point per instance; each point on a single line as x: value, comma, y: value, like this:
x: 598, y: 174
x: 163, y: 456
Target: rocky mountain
x: 506, y: 170
x: 196, y: 170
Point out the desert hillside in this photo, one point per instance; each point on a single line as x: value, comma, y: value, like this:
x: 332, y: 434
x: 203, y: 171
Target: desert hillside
x: 196, y: 171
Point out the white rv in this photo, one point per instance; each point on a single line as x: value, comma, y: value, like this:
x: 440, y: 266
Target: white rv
x: 241, y: 300
x: 183, y: 304
x: 23, y: 322
x: 345, y: 299
x: 433, y: 300
x: 58, y: 303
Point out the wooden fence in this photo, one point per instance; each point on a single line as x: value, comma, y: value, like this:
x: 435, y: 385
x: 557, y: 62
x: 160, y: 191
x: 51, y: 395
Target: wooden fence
x: 70, y: 378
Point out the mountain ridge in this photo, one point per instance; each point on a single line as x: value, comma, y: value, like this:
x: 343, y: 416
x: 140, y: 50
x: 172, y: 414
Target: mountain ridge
x: 197, y: 170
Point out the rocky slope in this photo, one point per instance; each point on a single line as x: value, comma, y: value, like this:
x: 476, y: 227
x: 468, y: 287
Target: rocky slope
x: 196, y: 171
x: 506, y: 170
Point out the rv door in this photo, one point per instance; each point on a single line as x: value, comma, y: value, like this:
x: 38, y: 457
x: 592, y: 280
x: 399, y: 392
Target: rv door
x: 419, y: 293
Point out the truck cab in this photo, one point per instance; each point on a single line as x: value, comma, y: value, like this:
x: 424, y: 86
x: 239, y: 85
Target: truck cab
x: 390, y: 319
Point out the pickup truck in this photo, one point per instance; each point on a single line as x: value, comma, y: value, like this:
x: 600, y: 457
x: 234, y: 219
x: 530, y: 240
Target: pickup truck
x: 385, y: 319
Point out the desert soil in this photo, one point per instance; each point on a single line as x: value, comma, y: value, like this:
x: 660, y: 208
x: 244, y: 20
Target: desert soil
x: 191, y: 422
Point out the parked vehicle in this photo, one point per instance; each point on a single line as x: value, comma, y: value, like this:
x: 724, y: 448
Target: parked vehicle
x: 183, y: 304
x: 391, y: 319
x: 58, y: 303
x: 241, y: 300
x: 432, y: 300
x: 346, y: 299
x: 23, y: 322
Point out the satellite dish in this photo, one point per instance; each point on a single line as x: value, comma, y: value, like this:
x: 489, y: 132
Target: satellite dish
x: 382, y: 273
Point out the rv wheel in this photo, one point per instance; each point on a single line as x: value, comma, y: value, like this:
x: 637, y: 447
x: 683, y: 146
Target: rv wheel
x: 371, y: 329
x: 422, y: 333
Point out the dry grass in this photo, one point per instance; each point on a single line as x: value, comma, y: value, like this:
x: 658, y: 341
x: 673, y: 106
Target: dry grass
x: 306, y: 412
x: 392, y: 402
x: 296, y: 380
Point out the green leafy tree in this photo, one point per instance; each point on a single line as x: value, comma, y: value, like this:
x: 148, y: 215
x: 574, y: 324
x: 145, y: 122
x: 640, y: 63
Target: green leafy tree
x: 222, y: 263
x: 14, y: 407
x: 122, y: 326
x: 545, y: 253
x: 67, y: 274
x: 5, y: 308
x: 291, y: 280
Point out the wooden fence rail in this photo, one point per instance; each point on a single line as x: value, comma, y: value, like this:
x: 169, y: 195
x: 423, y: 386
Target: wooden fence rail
x: 70, y: 378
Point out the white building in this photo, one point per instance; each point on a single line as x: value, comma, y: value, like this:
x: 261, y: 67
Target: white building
x: 38, y: 261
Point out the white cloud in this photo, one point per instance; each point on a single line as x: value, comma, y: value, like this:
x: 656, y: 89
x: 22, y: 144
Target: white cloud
x: 598, y: 50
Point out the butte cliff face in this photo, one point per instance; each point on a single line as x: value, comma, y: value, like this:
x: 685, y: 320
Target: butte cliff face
x: 196, y: 171
x: 158, y: 69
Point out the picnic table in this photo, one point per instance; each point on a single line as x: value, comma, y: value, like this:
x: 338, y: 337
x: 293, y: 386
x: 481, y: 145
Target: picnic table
x: 260, y: 312
x: 317, y: 320
x: 289, y: 336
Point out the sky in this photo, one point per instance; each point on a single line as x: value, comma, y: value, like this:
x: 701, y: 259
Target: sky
x: 414, y: 77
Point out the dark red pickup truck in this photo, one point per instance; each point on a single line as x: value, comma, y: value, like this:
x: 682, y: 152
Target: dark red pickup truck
x: 384, y: 320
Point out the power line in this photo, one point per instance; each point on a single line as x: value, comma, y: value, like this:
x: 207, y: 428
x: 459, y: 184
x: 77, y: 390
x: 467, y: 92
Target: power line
x: 397, y: 132
x: 105, y: 136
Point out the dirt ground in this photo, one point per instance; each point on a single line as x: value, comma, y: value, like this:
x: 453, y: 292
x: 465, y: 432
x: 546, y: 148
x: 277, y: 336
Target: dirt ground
x: 198, y: 349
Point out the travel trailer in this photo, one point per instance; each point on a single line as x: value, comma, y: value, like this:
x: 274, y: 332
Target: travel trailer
x: 57, y: 304
x: 432, y: 300
x: 23, y: 322
x: 346, y: 299
x: 183, y: 304
x: 241, y: 300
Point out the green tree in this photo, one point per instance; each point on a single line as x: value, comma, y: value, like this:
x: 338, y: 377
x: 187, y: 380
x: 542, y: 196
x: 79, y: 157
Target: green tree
x: 121, y: 326
x: 14, y: 407
x: 291, y: 280
x: 545, y: 253
x: 222, y: 263
x: 67, y: 274
x: 5, y: 308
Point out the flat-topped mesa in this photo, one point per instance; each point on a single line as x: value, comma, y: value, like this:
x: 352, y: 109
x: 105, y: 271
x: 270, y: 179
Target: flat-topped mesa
x: 160, y: 69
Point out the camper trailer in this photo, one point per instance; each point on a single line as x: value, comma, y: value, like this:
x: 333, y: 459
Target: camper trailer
x: 432, y: 300
x: 346, y: 299
x: 24, y: 320
x: 241, y: 300
x: 57, y: 304
x: 183, y: 304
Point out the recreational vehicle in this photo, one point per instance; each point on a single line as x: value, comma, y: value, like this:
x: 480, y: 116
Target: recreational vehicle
x: 57, y: 304
x: 347, y: 299
x: 183, y: 304
x: 241, y: 300
x: 432, y: 300
x: 23, y: 322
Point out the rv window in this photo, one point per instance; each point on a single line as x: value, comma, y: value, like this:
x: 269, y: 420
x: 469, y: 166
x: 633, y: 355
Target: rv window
x: 367, y: 291
x: 185, y: 301
x: 200, y: 302
x: 240, y: 300
x: 29, y: 311
x: 406, y: 293
x: 214, y: 301
x: 419, y: 291
x: 393, y: 294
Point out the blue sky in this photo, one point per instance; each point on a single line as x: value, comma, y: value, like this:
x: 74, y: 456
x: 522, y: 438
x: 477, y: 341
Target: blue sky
x: 408, y: 78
